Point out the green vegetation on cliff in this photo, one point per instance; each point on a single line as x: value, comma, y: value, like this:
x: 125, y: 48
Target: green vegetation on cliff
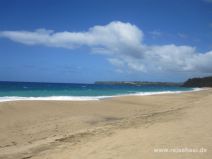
x: 199, y: 82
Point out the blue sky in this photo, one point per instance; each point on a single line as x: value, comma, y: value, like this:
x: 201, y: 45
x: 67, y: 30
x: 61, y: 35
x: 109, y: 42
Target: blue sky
x: 85, y: 41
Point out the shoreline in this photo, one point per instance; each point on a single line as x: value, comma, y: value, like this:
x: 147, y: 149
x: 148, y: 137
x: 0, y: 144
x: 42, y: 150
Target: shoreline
x: 122, y: 127
x: 91, y: 98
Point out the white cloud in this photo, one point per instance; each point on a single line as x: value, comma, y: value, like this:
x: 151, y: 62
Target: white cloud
x: 155, y: 33
x: 116, y: 62
x: 182, y: 35
x: 123, y: 45
x: 109, y: 36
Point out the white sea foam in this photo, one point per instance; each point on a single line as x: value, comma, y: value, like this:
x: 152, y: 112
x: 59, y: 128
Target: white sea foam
x: 88, y: 98
x: 57, y: 98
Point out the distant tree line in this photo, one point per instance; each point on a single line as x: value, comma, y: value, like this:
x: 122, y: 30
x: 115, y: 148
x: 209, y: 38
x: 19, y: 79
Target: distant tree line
x: 192, y: 82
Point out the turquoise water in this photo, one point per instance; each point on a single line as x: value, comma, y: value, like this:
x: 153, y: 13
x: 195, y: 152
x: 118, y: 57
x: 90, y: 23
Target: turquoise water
x: 27, y: 90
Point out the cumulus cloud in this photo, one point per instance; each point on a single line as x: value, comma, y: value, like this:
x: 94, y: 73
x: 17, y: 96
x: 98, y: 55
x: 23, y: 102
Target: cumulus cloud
x: 123, y: 45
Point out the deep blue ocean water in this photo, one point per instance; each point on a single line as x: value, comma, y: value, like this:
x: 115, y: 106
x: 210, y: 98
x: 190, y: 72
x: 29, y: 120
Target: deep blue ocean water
x: 24, y: 90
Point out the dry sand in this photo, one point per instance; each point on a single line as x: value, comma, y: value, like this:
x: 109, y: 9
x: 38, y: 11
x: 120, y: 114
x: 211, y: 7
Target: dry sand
x: 117, y: 128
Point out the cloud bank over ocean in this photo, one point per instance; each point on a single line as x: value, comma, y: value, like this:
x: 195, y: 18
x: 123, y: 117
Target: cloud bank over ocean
x: 123, y: 45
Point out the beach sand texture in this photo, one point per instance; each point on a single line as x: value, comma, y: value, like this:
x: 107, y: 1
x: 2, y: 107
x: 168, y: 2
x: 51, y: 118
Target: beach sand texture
x: 130, y: 127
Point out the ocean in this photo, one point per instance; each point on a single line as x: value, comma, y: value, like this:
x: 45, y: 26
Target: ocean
x: 10, y: 91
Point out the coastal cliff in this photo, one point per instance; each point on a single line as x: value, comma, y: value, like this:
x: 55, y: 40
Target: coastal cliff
x: 198, y: 82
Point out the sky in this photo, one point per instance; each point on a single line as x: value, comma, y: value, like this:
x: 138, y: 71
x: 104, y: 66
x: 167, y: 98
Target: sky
x: 77, y: 41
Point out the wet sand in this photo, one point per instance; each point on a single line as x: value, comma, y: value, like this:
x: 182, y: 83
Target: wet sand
x: 120, y: 128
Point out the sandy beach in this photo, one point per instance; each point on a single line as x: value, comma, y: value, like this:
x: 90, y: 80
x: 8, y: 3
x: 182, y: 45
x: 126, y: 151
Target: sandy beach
x: 132, y: 127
